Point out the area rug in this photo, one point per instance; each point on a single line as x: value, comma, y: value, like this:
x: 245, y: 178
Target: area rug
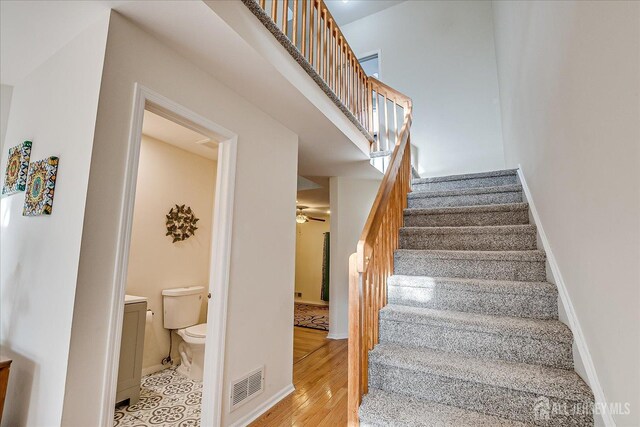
x: 311, y: 316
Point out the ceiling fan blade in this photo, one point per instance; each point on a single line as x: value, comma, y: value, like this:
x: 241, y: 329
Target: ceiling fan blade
x: 316, y: 219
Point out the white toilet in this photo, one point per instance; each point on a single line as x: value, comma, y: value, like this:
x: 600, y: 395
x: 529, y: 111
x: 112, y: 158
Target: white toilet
x: 181, y: 313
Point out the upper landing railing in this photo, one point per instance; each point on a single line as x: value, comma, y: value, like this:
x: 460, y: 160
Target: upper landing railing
x: 310, y: 27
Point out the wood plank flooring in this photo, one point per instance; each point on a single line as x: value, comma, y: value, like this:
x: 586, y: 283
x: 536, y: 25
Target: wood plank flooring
x: 320, y: 379
x: 306, y: 340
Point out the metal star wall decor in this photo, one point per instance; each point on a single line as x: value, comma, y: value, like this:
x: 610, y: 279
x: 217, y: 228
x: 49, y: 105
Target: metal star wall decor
x: 181, y: 223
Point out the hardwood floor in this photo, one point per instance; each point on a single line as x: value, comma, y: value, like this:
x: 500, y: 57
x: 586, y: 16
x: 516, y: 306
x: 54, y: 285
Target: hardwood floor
x: 306, y: 340
x: 320, y: 379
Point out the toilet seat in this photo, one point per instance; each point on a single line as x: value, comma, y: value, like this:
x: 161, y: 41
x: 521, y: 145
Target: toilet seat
x: 197, y: 331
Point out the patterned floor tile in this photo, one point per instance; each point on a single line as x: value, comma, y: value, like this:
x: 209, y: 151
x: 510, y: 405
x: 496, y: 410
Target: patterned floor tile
x: 167, y: 399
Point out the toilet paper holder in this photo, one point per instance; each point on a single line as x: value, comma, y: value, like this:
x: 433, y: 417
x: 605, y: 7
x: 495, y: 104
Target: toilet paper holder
x: 149, y: 315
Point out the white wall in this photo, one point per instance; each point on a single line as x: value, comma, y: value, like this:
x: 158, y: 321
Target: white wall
x: 262, y: 259
x: 309, y: 244
x: 5, y: 106
x: 350, y: 200
x: 441, y: 54
x: 56, y: 108
x: 569, y: 84
x: 168, y: 175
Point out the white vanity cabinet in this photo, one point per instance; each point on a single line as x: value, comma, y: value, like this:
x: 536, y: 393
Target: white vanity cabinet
x: 131, y: 348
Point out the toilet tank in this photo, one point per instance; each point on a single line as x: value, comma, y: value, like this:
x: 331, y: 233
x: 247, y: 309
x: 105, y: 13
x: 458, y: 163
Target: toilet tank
x: 181, y: 306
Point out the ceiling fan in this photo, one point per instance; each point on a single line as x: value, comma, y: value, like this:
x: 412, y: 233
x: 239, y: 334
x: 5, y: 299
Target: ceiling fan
x: 301, y: 217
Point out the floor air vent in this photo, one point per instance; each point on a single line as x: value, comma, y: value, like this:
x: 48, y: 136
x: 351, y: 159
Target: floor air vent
x: 247, y: 387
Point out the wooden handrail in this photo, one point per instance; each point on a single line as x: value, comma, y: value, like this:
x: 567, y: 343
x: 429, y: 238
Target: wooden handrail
x: 372, y: 263
x: 383, y: 198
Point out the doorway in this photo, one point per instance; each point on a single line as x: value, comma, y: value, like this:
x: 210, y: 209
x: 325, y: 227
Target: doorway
x: 193, y: 355
x: 311, y: 304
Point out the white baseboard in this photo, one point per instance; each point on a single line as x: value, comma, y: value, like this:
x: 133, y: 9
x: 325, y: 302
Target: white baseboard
x: 563, y: 293
x: 338, y: 336
x: 253, y: 415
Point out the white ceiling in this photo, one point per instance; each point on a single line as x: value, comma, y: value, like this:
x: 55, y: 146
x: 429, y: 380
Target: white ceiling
x: 306, y: 184
x: 316, y: 198
x: 165, y: 130
x: 348, y: 11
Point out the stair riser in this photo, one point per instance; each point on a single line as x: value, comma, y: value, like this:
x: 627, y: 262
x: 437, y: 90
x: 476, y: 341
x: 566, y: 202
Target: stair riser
x: 488, y: 399
x: 494, y: 181
x: 415, y: 265
x: 532, y: 306
x: 478, y: 344
x: 384, y: 409
x: 466, y: 200
x: 467, y: 241
x: 467, y: 219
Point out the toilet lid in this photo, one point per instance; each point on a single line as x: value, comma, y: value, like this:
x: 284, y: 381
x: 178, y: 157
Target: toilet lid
x: 197, y: 331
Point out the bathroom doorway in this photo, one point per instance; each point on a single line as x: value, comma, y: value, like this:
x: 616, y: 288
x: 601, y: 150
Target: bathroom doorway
x: 170, y: 318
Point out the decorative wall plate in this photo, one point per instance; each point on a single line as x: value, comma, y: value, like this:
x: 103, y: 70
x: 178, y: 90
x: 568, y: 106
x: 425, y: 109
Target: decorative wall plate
x: 15, y: 178
x: 181, y: 223
x: 41, y: 183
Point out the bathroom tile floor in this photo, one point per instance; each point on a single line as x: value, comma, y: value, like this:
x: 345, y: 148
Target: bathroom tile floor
x: 166, y: 399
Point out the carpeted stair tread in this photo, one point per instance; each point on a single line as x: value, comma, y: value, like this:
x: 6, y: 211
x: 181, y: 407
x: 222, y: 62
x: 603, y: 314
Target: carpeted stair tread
x: 489, y: 174
x: 478, y: 215
x: 473, y: 196
x: 494, y: 229
x: 514, y: 339
x: 467, y: 209
x: 474, y: 285
x: 481, y: 238
x: 520, y: 265
x: 553, y: 330
x: 538, y: 300
x: 535, y: 379
x: 452, y: 182
x: 532, y: 255
x: 382, y: 408
x: 465, y: 191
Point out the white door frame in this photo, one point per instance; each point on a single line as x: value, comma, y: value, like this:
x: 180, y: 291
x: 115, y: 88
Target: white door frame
x: 145, y: 98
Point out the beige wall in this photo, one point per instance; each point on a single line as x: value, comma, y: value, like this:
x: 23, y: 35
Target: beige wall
x: 309, y: 244
x: 167, y: 176
x: 351, y: 200
x: 569, y: 77
x: 442, y: 55
x: 261, y: 277
x: 55, y: 107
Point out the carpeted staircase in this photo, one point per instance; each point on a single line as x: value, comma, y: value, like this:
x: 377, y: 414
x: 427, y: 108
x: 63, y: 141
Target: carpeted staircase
x: 470, y: 336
